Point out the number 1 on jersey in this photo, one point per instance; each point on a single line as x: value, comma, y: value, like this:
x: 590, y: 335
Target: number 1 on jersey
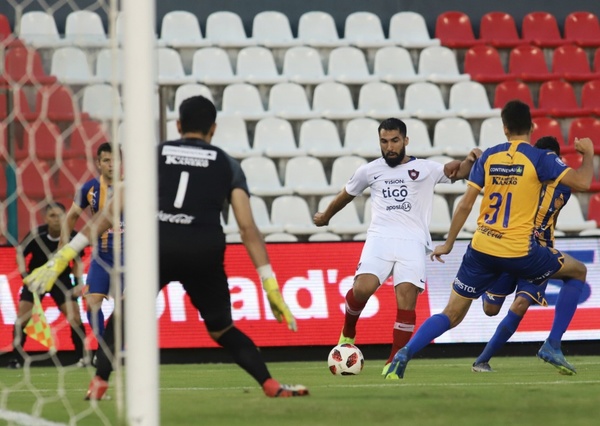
x: 184, y: 177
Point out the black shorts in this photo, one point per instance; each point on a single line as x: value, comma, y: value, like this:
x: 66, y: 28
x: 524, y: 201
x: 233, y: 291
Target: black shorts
x: 58, y: 293
x: 195, y: 258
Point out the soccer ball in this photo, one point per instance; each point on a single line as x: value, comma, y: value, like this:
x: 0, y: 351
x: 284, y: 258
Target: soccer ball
x: 345, y: 360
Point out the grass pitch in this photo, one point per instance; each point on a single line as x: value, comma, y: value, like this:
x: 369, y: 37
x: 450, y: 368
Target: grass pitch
x: 523, y: 391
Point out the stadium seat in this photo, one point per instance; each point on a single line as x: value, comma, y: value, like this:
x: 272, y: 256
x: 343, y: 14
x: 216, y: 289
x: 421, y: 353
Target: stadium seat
x: 261, y: 216
x: 455, y: 31
x: 456, y: 188
x: 590, y: 96
x: 272, y: 29
x: 324, y: 237
x: 275, y: 138
x: 419, y: 141
x: 45, y: 141
x: 306, y: 176
x: 571, y: 63
x: 281, y: 237
x: 471, y: 222
x: 582, y: 127
x: 571, y: 218
x: 75, y: 171
x: 86, y: 137
x: 6, y: 35
x: 70, y: 65
x: 181, y: 29
x: 186, y: 91
x: 289, y: 101
x: 345, y: 221
x: 594, y: 208
x: 343, y: 168
x: 102, y: 102
x: 558, y: 98
x: 292, y: 213
x: 364, y: 30
x: 425, y: 101
x: 104, y: 65
x: 256, y: 65
x: 367, y: 214
x: 583, y: 29
x: 395, y: 66
x: 483, y: 64
x: 320, y: 138
x: 57, y: 103
x: 469, y: 100
x: 362, y: 138
x: 225, y: 29
x: 572, y: 159
x: 171, y: 130
x: 243, y: 100
x: 84, y: 29
x: 541, y: 29
x: 318, y: 29
x: 379, y: 100
x: 20, y: 107
x: 334, y: 101
x: 35, y: 180
x: 547, y: 126
x: 438, y: 64
x: 170, y: 68
x: 409, y: 30
x: 262, y: 177
x: 440, y: 216
x: 220, y: 71
x: 23, y: 65
x: 303, y: 65
x: 232, y: 136
x: 499, y: 29
x: 491, y: 133
x: 454, y: 137
x: 348, y: 65
x: 39, y: 30
x: 515, y: 89
x: 527, y: 63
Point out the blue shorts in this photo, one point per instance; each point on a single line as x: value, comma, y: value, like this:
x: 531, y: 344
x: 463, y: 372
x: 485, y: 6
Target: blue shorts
x: 508, y: 284
x: 479, y: 271
x: 98, y: 277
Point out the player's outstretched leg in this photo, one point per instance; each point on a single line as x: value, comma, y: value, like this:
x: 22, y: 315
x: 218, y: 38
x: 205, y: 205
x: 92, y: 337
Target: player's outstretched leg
x: 555, y: 357
x: 398, y: 365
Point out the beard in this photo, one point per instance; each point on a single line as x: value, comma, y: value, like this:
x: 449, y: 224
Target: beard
x: 394, y: 160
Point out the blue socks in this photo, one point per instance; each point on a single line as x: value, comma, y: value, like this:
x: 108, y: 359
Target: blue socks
x: 96, y: 323
x: 433, y: 327
x: 566, y: 304
x: 505, y: 330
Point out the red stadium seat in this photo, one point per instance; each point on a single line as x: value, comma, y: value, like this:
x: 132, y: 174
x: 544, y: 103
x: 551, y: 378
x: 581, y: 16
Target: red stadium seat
x: 499, y: 30
x: 547, y: 126
x: 585, y: 127
x: 86, y: 138
x: 24, y: 65
x: 515, y: 89
x: 558, y: 98
x: 583, y: 29
x: 76, y: 171
x: 45, y: 140
x: 590, y: 96
x: 484, y: 65
x: 527, y: 63
x: 454, y: 30
x: 5, y: 31
x: 20, y: 105
x: 541, y: 29
x: 571, y: 63
x: 56, y: 103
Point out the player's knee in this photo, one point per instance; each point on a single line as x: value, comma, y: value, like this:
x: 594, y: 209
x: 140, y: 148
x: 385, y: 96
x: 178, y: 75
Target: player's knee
x: 491, y: 310
x: 520, y: 306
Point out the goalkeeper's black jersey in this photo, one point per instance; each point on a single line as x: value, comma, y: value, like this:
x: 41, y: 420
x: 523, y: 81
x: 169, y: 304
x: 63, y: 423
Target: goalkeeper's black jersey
x: 195, y: 180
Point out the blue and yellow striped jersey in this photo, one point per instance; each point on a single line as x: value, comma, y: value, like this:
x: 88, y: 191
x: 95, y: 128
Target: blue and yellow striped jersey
x: 94, y: 194
x: 554, y: 197
x: 512, y: 176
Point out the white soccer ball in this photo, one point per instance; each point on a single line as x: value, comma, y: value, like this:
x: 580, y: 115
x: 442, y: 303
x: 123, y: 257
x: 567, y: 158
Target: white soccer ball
x: 345, y: 360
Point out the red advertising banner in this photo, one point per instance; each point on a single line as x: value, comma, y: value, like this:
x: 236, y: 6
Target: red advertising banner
x: 314, y: 278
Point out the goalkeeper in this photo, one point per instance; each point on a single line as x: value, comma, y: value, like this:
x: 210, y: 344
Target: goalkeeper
x: 195, y: 181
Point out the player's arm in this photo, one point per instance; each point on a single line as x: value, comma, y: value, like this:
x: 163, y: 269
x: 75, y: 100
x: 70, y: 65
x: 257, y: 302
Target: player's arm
x: 255, y: 246
x: 581, y: 179
x: 338, y: 203
x: 457, y: 169
x: 461, y: 213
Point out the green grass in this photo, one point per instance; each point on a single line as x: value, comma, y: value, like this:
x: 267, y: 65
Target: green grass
x: 522, y: 391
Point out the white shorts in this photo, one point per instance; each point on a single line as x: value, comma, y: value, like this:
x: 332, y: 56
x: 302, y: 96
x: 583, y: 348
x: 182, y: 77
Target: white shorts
x: 402, y: 259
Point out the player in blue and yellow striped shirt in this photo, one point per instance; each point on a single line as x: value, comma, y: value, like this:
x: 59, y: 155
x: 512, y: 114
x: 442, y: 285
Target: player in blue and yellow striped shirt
x: 512, y: 176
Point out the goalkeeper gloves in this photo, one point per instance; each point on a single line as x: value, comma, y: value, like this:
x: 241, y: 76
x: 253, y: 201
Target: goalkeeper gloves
x: 278, y: 306
x: 43, y: 278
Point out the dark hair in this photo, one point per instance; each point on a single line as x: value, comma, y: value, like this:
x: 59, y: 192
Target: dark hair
x: 548, y: 142
x: 393, y: 124
x: 104, y: 147
x: 516, y: 117
x: 197, y: 114
x: 54, y: 204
